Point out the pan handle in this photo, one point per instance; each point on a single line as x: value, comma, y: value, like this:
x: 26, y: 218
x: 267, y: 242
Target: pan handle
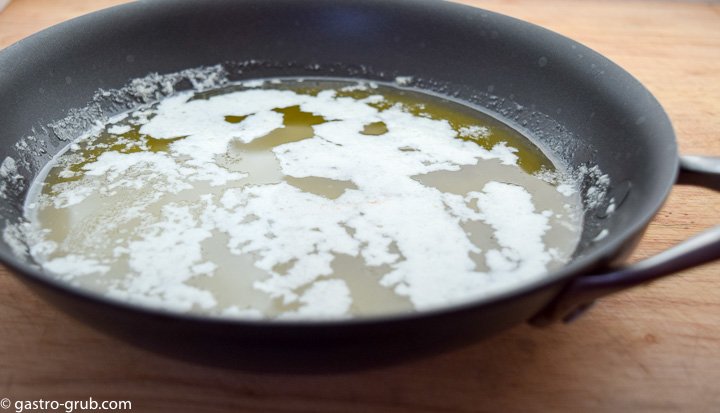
x: 580, y: 294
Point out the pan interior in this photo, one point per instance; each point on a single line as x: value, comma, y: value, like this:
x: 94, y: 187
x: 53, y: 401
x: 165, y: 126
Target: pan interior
x: 106, y: 228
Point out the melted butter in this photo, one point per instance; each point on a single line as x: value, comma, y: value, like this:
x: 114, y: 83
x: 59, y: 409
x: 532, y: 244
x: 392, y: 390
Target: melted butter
x: 76, y: 229
x: 297, y: 125
x: 531, y: 158
x: 375, y: 128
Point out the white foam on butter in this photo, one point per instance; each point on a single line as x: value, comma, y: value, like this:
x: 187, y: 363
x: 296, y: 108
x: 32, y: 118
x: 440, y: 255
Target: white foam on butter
x: 519, y: 229
x: 390, y: 218
x: 326, y: 298
x: 71, y: 266
x: 474, y: 132
x: 164, y: 256
x: 119, y: 129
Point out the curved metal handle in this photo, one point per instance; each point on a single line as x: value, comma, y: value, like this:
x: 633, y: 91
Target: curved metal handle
x: 580, y: 294
x: 700, y: 171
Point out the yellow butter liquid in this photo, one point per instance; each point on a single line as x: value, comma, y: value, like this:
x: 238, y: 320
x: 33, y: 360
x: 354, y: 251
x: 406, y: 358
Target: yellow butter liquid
x: 83, y: 228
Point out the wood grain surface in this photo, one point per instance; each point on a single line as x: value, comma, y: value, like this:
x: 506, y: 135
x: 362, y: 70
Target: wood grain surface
x: 655, y: 348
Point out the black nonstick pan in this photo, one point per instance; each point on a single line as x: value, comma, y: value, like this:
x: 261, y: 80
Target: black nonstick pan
x: 567, y: 98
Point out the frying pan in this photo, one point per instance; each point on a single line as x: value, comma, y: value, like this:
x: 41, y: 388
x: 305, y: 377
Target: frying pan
x: 570, y: 100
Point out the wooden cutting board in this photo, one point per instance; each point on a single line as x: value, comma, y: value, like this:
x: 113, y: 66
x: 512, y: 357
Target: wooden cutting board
x: 655, y: 348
